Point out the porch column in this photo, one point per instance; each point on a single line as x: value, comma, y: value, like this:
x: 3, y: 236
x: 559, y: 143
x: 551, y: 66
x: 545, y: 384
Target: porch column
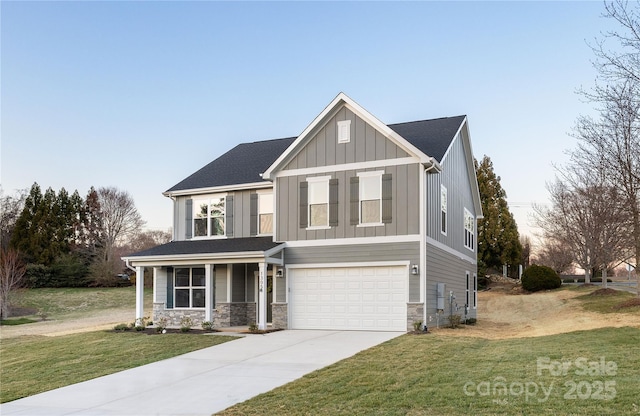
x: 139, y: 293
x: 262, y: 296
x: 209, y: 292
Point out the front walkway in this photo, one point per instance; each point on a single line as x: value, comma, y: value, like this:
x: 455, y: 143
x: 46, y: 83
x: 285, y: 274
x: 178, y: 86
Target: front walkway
x: 205, y: 381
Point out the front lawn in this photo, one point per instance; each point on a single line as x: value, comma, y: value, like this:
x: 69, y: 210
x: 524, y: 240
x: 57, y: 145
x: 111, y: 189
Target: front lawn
x: 442, y: 375
x: 30, y: 365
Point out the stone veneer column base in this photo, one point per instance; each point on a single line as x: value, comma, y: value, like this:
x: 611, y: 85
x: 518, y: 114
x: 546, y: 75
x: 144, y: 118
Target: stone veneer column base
x: 251, y: 313
x: 280, y: 315
x: 415, y: 313
x: 174, y: 316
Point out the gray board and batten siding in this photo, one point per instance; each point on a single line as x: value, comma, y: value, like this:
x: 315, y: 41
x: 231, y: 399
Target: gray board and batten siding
x: 404, y: 206
x: 366, y: 144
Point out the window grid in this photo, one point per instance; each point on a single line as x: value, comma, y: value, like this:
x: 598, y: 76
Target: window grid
x: 189, y: 287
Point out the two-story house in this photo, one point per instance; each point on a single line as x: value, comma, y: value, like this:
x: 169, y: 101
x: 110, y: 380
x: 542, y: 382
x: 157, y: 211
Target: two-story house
x: 353, y: 224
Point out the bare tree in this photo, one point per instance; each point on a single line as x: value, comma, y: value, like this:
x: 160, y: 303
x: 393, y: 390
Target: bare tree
x: 12, y: 272
x: 587, y: 219
x: 120, y: 217
x: 10, y: 209
x: 555, y: 255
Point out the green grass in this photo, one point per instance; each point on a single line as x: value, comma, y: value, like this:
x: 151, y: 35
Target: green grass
x: 63, y: 303
x: 427, y: 374
x: 31, y: 365
x: 17, y: 321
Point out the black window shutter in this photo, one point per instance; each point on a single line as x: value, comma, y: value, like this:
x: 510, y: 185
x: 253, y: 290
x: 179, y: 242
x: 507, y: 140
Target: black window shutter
x: 253, y: 208
x: 169, y: 287
x: 228, y: 207
x: 387, y: 192
x: 188, y: 217
x: 354, y: 209
x: 333, y: 202
x: 304, y: 190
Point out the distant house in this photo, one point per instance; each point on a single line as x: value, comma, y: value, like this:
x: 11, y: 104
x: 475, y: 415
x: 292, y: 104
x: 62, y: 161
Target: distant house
x: 353, y: 224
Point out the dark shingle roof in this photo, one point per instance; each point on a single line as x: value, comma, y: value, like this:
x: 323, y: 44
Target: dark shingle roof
x: 245, y: 162
x: 242, y: 164
x: 432, y: 137
x: 231, y: 245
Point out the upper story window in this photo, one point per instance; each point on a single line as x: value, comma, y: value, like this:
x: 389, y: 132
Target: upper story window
x: 318, y: 188
x: 469, y: 230
x: 370, y: 198
x: 209, y: 216
x: 344, y: 131
x: 443, y: 209
x: 265, y: 213
x: 189, y: 287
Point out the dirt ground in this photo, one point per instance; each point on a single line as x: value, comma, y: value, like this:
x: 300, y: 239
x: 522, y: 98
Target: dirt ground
x: 95, y: 322
x: 503, y: 312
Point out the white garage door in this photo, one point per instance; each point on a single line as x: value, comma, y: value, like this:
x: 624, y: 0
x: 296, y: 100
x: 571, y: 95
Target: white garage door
x: 353, y: 298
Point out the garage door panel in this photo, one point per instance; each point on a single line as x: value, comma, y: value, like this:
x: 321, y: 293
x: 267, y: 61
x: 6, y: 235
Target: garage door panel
x: 366, y: 298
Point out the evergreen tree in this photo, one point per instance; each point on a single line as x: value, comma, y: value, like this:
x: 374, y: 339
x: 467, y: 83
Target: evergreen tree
x: 498, y: 239
x: 26, y: 224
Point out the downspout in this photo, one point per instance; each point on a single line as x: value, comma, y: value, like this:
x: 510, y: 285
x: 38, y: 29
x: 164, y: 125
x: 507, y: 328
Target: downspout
x: 434, y: 167
x: 126, y: 263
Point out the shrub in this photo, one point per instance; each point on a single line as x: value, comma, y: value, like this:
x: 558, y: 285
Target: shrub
x: 537, y: 278
x: 207, y: 326
x: 417, y: 325
x: 186, y: 323
x: 253, y: 327
x: 161, y: 324
x: 454, y: 321
x: 121, y: 327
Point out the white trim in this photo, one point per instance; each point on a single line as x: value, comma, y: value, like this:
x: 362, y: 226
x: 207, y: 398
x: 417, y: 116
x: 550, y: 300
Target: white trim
x: 450, y: 250
x: 350, y: 265
x: 453, y: 139
x: 347, y: 166
x: 411, y: 238
x: 475, y: 291
x: 443, y: 191
x: 219, y: 189
x: 342, y: 125
x: 423, y: 243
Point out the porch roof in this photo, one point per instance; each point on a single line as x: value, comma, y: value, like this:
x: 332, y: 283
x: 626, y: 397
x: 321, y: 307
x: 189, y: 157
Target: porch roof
x: 247, y: 249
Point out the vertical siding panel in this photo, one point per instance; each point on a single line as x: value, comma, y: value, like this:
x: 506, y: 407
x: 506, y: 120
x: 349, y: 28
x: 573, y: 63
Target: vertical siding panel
x: 370, y: 142
x: 321, y: 148
x: 381, y: 145
x: 413, y: 209
x: 330, y: 142
x: 402, y: 209
x: 391, y: 150
x: 360, y: 139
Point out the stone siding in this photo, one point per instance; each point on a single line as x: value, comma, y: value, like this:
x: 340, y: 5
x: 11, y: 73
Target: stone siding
x: 415, y: 313
x: 279, y: 315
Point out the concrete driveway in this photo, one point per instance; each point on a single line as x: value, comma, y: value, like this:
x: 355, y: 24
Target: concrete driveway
x: 205, y: 381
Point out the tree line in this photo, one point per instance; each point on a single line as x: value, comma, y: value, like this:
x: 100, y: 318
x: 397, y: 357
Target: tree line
x: 66, y: 240
x: 593, y: 220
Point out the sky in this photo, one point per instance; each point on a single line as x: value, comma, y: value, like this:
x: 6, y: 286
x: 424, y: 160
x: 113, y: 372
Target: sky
x: 139, y: 95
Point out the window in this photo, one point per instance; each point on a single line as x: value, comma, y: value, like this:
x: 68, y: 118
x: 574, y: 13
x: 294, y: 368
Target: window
x: 344, y: 131
x: 475, y: 290
x: 370, y: 197
x: 318, y: 201
x: 469, y: 230
x: 208, y: 217
x: 189, y: 287
x: 467, y: 298
x: 265, y: 214
x: 443, y: 210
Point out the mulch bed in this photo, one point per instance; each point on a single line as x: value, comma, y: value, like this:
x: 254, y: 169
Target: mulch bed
x: 631, y: 303
x: 604, y: 292
x: 153, y: 331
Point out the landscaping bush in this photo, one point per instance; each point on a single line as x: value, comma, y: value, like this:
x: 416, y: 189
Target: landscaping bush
x: 537, y: 278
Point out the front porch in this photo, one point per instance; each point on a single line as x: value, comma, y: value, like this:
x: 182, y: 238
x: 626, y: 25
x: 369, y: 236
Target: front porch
x: 230, y: 287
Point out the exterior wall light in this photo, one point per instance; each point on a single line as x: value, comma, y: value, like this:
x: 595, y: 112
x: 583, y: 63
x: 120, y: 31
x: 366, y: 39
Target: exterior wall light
x: 414, y: 269
x: 279, y: 273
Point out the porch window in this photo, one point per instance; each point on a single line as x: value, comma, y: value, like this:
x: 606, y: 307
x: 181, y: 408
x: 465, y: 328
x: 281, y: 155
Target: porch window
x: 265, y: 215
x: 189, y: 287
x: 209, y: 217
x: 469, y: 230
x: 370, y: 198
